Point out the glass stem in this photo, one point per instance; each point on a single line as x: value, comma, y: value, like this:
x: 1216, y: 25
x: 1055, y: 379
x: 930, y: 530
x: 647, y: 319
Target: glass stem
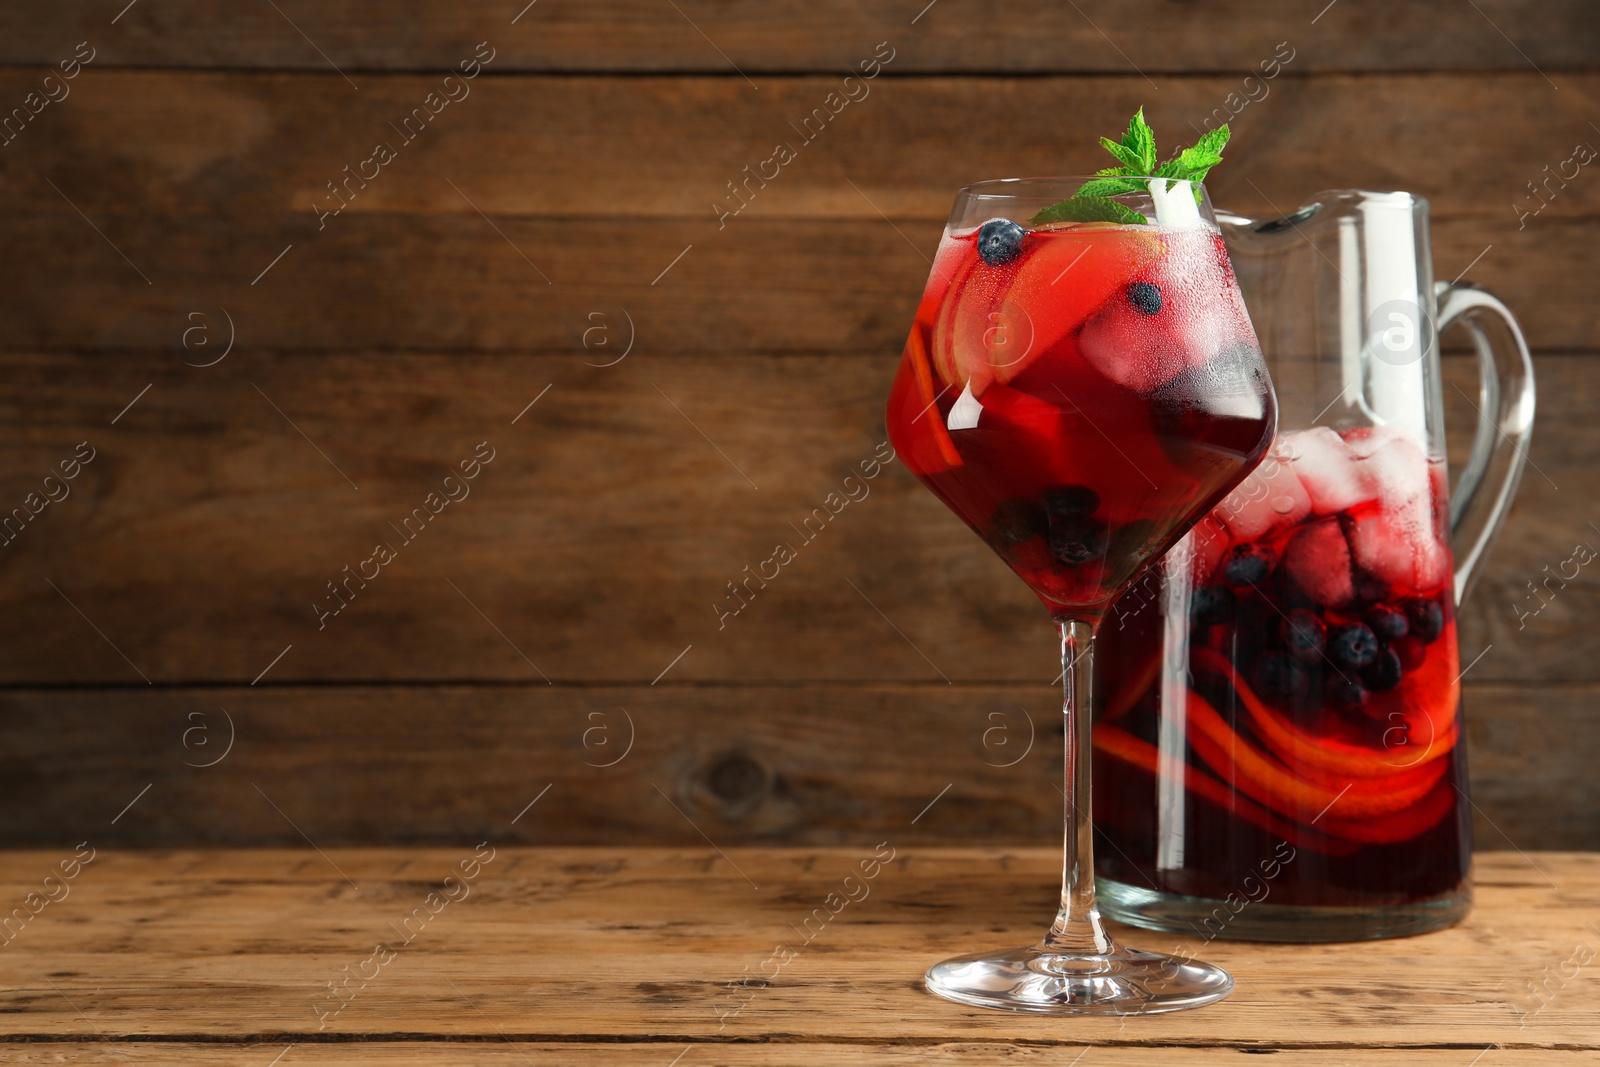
x: 1078, y: 929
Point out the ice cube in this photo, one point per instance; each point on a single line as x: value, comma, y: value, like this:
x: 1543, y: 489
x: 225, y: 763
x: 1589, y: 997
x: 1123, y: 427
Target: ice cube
x: 1327, y: 470
x: 1365, y: 440
x: 1185, y: 311
x: 1318, y: 559
x: 1393, y: 466
x: 1272, y: 496
x: 1132, y: 348
x: 1399, y: 543
x: 1398, y: 540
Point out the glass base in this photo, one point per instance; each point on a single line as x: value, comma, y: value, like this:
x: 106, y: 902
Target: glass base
x: 1122, y: 982
x: 1215, y: 920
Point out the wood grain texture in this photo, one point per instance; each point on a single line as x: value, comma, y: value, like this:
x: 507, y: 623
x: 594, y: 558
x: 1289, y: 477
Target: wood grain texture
x: 584, y: 946
x: 238, y: 148
x: 703, y: 35
x: 590, y: 188
x: 492, y: 1051
x: 596, y: 547
x: 811, y: 764
x: 432, y: 764
x: 173, y: 199
x: 454, y: 284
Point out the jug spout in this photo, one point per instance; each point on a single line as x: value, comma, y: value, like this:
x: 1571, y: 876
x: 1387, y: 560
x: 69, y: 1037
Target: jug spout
x: 1321, y: 212
x: 1245, y: 231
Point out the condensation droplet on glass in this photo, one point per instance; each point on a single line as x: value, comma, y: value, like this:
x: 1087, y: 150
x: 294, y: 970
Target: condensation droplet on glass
x: 1283, y: 504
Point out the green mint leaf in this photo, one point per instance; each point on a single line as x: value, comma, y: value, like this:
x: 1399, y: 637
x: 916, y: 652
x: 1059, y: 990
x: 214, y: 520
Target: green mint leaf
x: 1197, y: 164
x: 1129, y: 157
x: 1141, y: 141
x: 1110, y: 186
x: 1213, y: 141
x: 1206, y: 153
x: 1089, y: 209
x: 1137, y: 155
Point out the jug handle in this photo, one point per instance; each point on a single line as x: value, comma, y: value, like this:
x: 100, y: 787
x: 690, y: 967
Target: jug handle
x: 1478, y: 507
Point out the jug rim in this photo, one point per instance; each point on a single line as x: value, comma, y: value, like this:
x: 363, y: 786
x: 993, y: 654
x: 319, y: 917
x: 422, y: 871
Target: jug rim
x: 1317, y: 202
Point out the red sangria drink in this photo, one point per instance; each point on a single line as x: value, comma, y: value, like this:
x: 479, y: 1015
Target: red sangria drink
x: 1285, y: 698
x: 1081, y: 384
x: 1077, y: 393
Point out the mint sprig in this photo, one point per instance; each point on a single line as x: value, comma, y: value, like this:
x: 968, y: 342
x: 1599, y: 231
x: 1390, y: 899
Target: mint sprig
x: 1136, y: 153
x: 1138, y: 148
x: 1193, y: 164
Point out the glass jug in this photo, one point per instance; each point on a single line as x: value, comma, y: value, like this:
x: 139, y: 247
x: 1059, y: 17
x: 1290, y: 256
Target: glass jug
x: 1279, y: 754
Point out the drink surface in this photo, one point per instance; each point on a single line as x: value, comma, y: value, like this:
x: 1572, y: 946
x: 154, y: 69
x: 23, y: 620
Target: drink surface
x: 1080, y: 402
x: 1293, y: 678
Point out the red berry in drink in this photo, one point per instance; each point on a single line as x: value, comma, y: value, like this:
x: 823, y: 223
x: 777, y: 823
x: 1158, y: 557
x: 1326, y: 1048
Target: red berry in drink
x: 1354, y: 646
x: 1077, y: 539
x: 1280, y: 679
x: 1248, y: 565
x: 1318, y: 558
x: 1426, y: 618
x: 1146, y: 297
x: 1000, y: 241
x: 1388, y: 623
x: 1071, y: 500
x: 1211, y: 605
x: 1385, y: 672
x: 1304, y: 635
x: 1344, y: 692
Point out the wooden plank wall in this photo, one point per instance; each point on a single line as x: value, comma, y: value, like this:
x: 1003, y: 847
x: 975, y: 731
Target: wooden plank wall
x: 265, y: 385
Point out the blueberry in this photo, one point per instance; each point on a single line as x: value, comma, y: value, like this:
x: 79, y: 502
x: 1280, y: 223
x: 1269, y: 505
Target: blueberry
x: 1385, y: 672
x: 1344, y: 692
x: 1018, y: 520
x: 1304, y: 635
x: 1248, y: 565
x: 1387, y: 623
x: 1354, y: 646
x: 1071, y: 500
x: 1280, y: 679
x: 1077, y: 539
x: 1146, y: 297
x: 1427, y: 618
x: 1000, y: 241
x: 1212, y: 604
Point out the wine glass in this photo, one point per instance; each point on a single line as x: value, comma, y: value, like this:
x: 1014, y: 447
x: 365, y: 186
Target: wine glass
x: 1081, y: 385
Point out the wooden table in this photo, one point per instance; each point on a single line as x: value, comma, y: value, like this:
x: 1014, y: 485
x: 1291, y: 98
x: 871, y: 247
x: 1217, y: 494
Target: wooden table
x: 634, y: 956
